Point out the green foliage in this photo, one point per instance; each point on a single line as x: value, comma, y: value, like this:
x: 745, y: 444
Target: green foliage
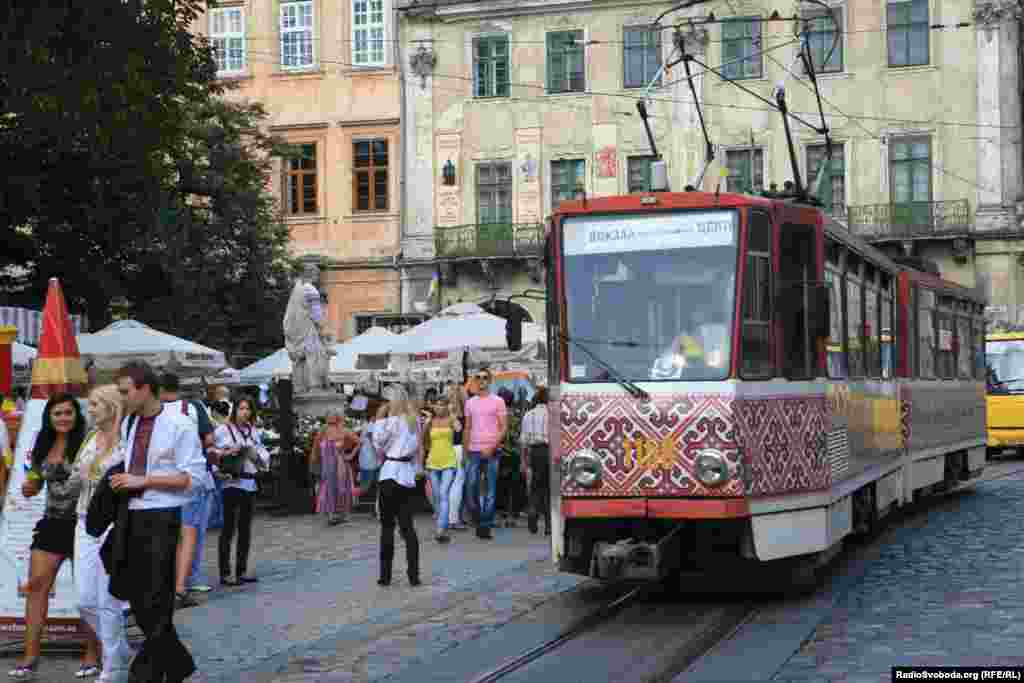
x: 129, y: 179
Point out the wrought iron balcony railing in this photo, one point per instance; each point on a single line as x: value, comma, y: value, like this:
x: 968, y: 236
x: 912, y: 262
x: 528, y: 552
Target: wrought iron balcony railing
x: 489, y: 239
x: 910, y: 220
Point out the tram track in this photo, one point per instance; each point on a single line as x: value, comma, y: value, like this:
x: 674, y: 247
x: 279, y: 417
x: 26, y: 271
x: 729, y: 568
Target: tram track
x: 639, y: 633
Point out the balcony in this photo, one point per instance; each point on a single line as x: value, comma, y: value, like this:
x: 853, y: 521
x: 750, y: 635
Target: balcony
x: 494, y: 240
x: 913, y: 220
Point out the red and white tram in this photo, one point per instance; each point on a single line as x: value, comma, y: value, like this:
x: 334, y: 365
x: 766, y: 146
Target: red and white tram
x: 733, y: 379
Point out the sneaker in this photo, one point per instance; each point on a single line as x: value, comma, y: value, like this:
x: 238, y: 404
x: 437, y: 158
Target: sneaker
x: 200, y: 588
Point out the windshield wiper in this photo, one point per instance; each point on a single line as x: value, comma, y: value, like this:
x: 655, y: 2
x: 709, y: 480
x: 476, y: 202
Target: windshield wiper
x: 633, y: 389
x: 1008, y: 381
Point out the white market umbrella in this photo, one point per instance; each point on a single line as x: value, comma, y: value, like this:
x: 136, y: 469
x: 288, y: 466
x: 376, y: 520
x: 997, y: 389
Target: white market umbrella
x: 342, y: 368
x: 129, y: 340
x: 22, y: 356
x: 455, y: 328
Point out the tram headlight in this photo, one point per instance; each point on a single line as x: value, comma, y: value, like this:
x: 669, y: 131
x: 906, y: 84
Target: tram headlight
x: 711, y: 468
x: 585, y: 468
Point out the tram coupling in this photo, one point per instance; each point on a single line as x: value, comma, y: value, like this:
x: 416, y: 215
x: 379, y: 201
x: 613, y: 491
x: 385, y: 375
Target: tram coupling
x: 633, y: 560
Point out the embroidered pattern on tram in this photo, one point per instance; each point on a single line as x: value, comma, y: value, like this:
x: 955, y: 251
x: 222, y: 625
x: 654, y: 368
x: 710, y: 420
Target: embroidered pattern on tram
x: 782, y: 439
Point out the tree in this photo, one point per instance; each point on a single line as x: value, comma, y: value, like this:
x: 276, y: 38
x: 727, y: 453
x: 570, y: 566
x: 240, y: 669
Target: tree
x: 92, y: 97
x: 130, y: 179
x: 223, y: 250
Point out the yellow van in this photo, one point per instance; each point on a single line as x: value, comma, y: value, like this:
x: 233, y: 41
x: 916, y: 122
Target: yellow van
x: 1004, y: 357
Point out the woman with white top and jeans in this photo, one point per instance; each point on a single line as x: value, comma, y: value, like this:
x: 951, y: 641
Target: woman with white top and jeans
x: 397, y: 440
x: 229, y: 439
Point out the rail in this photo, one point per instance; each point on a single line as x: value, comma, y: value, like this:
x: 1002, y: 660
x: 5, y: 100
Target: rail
x: 910, y: 220
x: 489, y: 239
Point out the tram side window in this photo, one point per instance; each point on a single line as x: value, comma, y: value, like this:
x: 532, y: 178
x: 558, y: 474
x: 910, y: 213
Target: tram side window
x: 926, y: 334
x: 945, y: 357
x: 553, y: 325
x: 757, y: 303
x: 836, y: 346
x: 854, y: 326
x: 873, y: 367
x: 887, y: 333
x: 965, y: 346
x: 980, y: 365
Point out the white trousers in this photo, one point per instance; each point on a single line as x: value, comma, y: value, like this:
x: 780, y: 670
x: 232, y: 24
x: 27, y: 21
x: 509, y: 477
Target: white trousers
x: 99, y: 609
x: 455, y: 493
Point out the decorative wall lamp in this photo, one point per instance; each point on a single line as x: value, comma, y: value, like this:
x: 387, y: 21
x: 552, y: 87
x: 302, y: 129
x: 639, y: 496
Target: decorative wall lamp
x: 448, y: 173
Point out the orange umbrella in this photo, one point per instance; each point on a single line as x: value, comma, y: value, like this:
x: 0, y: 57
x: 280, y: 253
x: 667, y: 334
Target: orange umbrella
x: 58, y: 367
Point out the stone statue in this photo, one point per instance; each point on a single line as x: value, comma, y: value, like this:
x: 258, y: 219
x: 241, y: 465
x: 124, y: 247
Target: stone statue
x: 309, y: 347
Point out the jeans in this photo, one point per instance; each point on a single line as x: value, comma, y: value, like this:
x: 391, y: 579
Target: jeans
x: 456, y: 491
x: 197, y: 515
x: 237, y: 515
x: 441, y: 483
x: 216, y: 519
x: 103, y: 612
x: 483, y: 503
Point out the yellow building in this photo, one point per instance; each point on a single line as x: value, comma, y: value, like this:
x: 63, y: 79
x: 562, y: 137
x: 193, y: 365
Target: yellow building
x: 512, y: 107
x: 327, y: 75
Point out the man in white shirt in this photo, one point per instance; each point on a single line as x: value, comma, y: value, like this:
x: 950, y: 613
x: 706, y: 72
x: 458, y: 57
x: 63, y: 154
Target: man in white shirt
x: 535, y: 462
x: 163, y: 459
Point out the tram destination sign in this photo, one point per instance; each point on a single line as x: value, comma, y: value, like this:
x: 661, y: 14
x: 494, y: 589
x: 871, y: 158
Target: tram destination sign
x: 682, y: 230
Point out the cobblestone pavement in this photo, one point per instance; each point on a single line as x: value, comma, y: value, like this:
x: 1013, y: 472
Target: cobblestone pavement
x: 946, y: 589
x: 318, y: 592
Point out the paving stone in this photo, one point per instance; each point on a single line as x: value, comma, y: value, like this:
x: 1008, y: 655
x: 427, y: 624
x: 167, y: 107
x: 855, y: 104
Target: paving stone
x: 947, y: 592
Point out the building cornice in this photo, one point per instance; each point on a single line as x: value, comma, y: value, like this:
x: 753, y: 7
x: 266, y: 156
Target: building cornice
x: 313, y: 125
x: 362, y: 123
x: 492, y: 9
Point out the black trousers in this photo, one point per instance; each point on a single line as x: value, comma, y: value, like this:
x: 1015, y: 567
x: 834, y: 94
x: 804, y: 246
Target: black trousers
x: 540, y: 482
x: 396, y: 504
x: 237, y: 515
x: 153, y: 539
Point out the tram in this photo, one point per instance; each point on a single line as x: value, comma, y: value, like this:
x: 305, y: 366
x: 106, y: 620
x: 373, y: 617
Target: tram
x: 734, y: 379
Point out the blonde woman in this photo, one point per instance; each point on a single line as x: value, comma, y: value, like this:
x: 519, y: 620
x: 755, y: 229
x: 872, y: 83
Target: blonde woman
x: 456, y: 407
x: 397, y: 439
x: 102, y: 612
x: 441, y: 465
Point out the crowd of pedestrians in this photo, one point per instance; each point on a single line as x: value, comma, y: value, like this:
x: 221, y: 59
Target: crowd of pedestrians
x: 130, y: 501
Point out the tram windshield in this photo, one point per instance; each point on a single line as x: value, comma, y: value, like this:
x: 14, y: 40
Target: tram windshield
x: 1005, y: 361
x: 650, y: 296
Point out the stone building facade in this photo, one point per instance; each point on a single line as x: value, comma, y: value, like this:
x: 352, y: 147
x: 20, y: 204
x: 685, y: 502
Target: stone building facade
x: 327, y: 74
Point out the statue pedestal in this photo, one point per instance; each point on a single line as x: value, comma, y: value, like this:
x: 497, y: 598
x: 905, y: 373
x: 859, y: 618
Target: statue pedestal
x: 317, y: 403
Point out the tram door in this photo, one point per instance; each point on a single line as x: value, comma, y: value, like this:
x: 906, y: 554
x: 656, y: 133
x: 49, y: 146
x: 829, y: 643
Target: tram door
x: 799, y: 301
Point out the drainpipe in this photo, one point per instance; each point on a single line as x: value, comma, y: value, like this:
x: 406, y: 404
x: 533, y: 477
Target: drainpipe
x: 403, y: 190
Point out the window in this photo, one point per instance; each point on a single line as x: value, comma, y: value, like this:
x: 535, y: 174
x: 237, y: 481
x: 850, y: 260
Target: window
x: 757, y: 299
x: 855, y: 324
x: 833, y: 186
x: 746, y: 170
x: 795, y: 272
x: 567, y: 175
x: 980, y: 364
x: 297, y: 35
x: 965, y: 363
x: 370, y: 175
x: 300, y: 183
x: 907, y: 29
x: 926, y: 333
x: 639, y: 172
x: 873, y: 360
x: 836, y: 345
x: 491, y: 67
x: 741, y: 48
x: 910, y: 170
x: 227, y: 34
x: 641, y: 56
x: 565, y: 62
x: 368, y: 32
x: 494, y: 193
x: 825, y: 40
x: 888, y: 337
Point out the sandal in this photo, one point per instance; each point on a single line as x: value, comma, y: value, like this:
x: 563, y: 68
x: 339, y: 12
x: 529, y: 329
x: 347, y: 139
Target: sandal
x: 24, y: 671
x: 87, y: 671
